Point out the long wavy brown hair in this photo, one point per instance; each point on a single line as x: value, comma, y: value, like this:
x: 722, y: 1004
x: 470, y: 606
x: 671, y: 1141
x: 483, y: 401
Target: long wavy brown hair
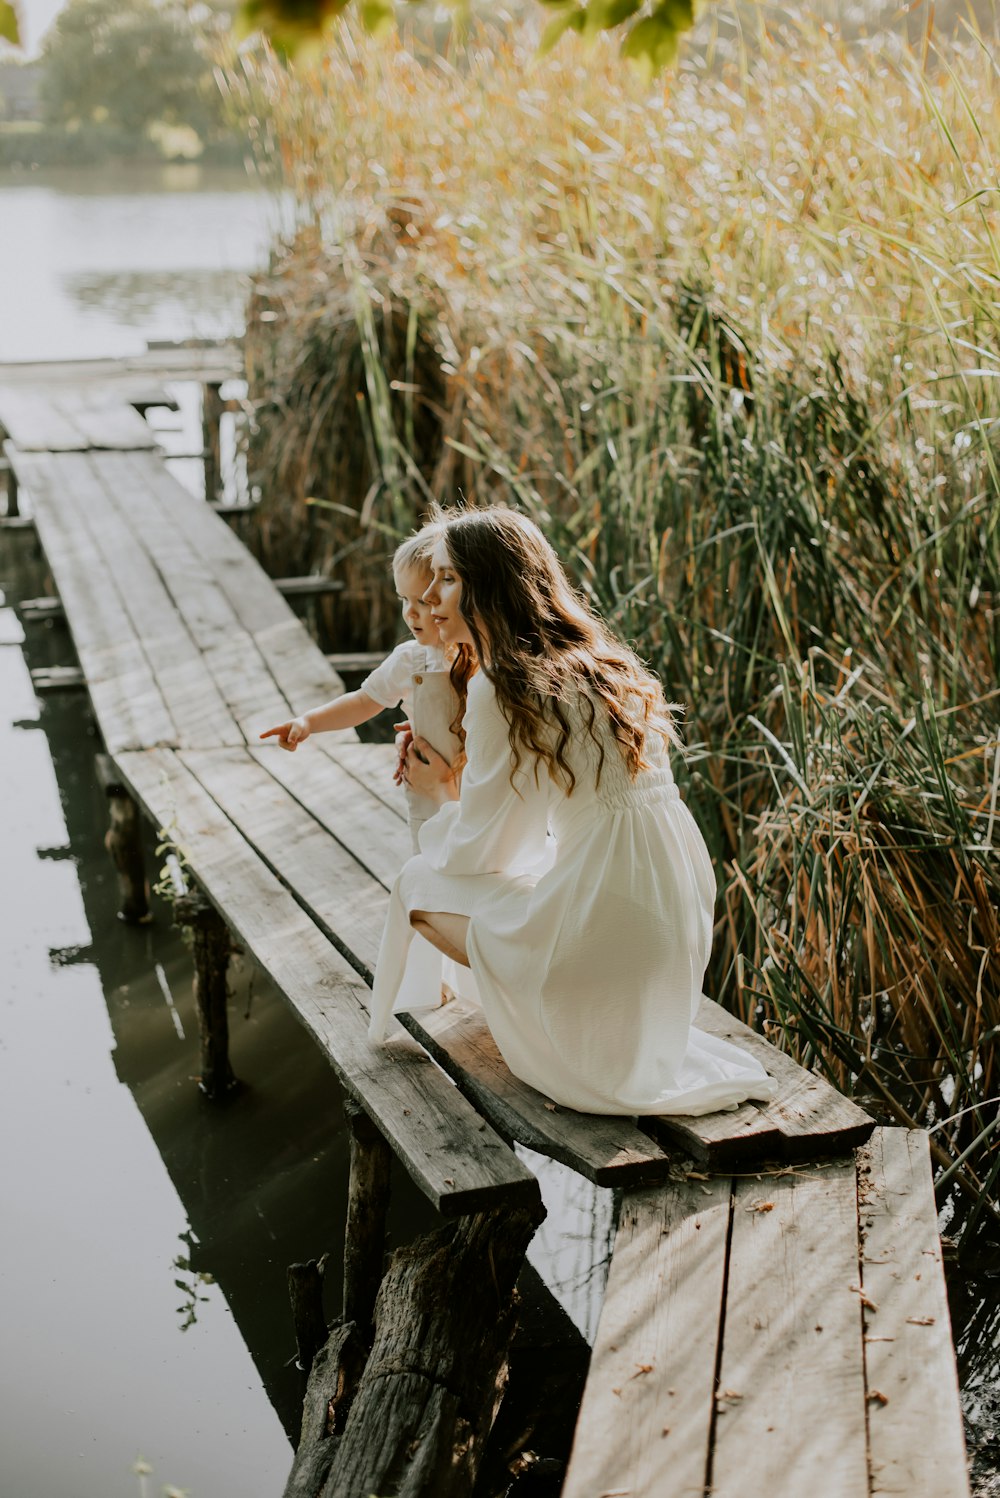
x: 538, y: 642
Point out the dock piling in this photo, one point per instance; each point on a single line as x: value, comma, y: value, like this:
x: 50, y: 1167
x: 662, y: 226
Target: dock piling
x: 367, y: 1205
x: 123, y: 841
x: 212, y: 946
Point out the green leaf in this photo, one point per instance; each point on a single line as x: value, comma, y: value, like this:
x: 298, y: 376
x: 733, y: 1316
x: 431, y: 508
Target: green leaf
x: 291, y: 26
x: 377, y: 16
x: 605, y: 15
x: 570, y: 20
x: 652, y: 43
x: 9, y: 31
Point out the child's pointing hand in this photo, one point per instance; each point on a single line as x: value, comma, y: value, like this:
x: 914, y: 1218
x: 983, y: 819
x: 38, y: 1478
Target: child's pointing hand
x: 291, y: 734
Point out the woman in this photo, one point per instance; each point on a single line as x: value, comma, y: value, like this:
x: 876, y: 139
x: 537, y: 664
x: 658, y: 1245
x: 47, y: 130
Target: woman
x: 589, y: 966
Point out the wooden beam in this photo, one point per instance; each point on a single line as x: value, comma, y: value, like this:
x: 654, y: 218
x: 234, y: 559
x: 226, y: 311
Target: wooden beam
x: 916, y: 1444
x: 34, y: 610
x: 58, y: 679
x: 309, y: 587
x: 124, y: 842
x: 791, y: 1393
x: 367, y: 1207
x: 646, y: 1418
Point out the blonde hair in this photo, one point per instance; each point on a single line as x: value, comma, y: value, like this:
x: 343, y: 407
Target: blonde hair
x: 415, y: 551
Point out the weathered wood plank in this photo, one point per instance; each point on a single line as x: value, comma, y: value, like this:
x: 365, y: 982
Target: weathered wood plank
x: 646, y: 1418
x: 791, y: 1397
x: 298, y: 665
x: 609, y: 1151
x: 127, y: 699
x: 372, y: 765
x: 452, y: 1154
x: 916, y: 1442
x: 35, y: 422
x: 347, y: 901
x: 373, y: 835
x: 811, y: 1116
x: 231, y: 656
x: 196, y: 705
x: 104, y: 417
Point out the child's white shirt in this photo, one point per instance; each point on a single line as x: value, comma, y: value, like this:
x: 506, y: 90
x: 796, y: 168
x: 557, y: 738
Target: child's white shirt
x: 392, y: 682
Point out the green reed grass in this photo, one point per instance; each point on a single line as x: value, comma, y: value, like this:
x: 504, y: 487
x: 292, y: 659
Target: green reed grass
x: 734, y: 344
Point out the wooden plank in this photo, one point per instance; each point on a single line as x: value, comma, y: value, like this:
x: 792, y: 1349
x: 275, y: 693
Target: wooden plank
x: 35, y: 423
x: 452, y: 1154
x: 646, y: 1417
x: 372, y: 765
x: 916, y: 1441
x: 195, y: 703
x: 362, y: 824
x: 237, y: 668
x: 791, y: 1398
x: 105, y: 417
x: 811, y: 1116
x: 126, y: 697
x: 609, y: 1151
x: 349, y: 904
x: 296, y: 663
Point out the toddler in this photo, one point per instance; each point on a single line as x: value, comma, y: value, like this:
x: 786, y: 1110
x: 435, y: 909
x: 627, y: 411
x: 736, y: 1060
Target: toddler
x: 416, y: 674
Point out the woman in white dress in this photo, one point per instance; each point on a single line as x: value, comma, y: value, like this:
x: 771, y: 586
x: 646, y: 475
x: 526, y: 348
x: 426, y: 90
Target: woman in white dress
x: 588, y: 964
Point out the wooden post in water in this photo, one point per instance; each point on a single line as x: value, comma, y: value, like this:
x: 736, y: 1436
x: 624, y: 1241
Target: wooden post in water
x: 305, y: 1291
x: 12, y: 499
x: 123, y: 841
x: 367, y: 1205
x: 212, y: 407
x: 212, y: 949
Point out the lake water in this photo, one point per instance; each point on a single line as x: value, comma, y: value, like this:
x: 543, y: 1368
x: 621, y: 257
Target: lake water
x: 97, y: 262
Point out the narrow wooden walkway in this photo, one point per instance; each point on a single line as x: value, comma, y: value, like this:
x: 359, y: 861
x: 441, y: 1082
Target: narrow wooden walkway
x: 712, y: 1370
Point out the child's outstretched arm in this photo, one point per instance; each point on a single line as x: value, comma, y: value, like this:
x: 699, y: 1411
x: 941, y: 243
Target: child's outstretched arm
x: 343, y: 712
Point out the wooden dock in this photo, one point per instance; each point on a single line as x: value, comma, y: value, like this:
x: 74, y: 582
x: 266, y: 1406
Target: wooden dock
x: 775, y: 1320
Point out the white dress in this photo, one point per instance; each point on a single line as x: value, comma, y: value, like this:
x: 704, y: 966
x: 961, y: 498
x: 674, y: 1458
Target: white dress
x: 589, y: 965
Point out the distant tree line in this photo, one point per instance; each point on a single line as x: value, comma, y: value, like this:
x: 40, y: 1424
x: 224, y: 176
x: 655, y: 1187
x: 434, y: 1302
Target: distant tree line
x: 126, y: 78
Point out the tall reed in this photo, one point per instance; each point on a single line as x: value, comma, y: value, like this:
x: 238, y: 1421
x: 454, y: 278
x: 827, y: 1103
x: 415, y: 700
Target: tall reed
x: 734, y: 343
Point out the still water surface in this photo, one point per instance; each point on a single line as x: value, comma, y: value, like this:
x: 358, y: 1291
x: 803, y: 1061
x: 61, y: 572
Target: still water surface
x: 95, y: 262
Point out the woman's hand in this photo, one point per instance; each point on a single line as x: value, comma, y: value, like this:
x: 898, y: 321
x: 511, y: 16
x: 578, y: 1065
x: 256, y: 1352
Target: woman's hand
x: 291, y: 734
x: 404, y: 738
x: 429, y: 773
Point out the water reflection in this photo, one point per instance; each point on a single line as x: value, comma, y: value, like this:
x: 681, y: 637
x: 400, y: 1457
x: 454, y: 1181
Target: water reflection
x: 90, y: 258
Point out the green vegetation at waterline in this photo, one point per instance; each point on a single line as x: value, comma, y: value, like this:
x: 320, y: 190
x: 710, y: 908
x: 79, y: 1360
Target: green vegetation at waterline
x: 735, y: 345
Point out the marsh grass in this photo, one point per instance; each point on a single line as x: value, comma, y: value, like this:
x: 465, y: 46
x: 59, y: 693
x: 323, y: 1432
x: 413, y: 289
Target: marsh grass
x: 734, y: 344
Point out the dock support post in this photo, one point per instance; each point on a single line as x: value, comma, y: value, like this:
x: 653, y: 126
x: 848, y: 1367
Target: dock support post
x: 305, y: 1291
x: 212, y: 948
x: 367, y: 1205
x: 212, y: 407
x: 13, y: 507
x: 123, y: 841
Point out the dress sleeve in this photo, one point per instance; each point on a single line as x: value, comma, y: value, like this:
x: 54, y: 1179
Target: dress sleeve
x: 495, y: 827
x: 391, y: 682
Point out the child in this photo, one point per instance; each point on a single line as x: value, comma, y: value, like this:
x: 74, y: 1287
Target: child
x: 416, y: 674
